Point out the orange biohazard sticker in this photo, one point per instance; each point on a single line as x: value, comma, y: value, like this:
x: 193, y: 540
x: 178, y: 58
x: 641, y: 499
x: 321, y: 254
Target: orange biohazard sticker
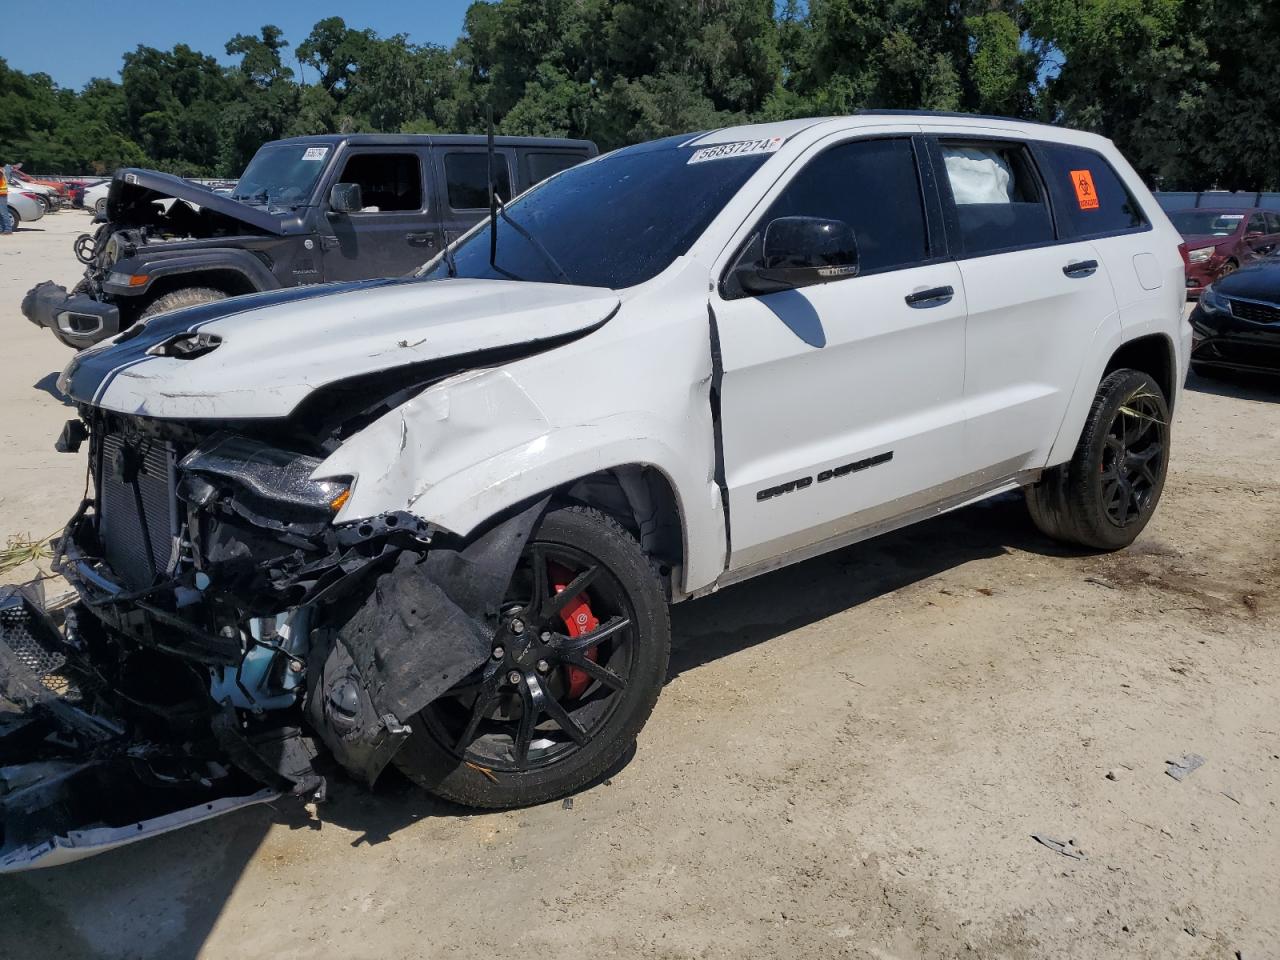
x: 1086, y: 196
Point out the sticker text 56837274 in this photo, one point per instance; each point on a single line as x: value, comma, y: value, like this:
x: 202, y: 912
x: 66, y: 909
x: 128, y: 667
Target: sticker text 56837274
x: 739, y: 148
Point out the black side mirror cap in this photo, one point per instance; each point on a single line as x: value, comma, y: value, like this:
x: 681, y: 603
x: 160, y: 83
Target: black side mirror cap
x: 801, y: 252
x: 345, y: 198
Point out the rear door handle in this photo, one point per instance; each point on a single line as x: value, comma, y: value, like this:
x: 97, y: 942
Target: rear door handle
x: 421, y: 239
x: 933, y: 297
x: 1081, y: 268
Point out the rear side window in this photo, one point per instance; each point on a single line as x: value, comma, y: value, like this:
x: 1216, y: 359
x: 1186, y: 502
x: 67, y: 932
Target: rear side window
x: 1089, y: 196
x: 467, y: 177
x: 1000, y: 203
x: 388, y: 181
x: 543, y: 165
x: 873, y: 186
x: 1273, y: 223
x: 1257, y: 224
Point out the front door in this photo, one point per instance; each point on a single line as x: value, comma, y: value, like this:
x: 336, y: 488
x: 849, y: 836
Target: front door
x: 395, y: 231
x: 842, y: 403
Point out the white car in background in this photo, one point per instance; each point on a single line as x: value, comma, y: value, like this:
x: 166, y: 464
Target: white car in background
x: 95, y: 198
x: 24, y: 207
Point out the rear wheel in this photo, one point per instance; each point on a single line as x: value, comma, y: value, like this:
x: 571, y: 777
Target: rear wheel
x: 1108, y: 491
x: 574, y: 674
x: 177, y: 299
x: 17, y: 217
x: 100, y: 208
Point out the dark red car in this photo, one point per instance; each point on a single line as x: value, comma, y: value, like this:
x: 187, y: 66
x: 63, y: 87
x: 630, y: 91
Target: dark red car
x: 1221, y: 241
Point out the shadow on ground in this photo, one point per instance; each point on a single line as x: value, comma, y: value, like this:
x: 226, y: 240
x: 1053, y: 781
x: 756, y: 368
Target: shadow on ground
x: 1238, y: 386
x: 161, y: 898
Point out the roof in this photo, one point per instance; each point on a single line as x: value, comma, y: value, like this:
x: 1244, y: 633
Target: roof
x: 436, y: 139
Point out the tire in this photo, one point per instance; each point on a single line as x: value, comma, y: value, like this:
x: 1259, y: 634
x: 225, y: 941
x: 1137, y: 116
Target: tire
x: 17, y: 218
x: 45, y: 202
x: 183, y: 297
x: 1106, y: 494
x: 465, y: 745
x: 100, y: 208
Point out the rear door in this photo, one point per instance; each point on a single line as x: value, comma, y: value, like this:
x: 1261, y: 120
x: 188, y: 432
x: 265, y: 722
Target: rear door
x: 1259, y: 235
x: 842, y: 403
x: 464, y: 173
x: 1034, y: 301
x: 396, y: 231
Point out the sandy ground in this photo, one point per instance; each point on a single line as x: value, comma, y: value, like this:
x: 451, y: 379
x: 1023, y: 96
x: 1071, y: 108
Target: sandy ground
x: 849, y: 760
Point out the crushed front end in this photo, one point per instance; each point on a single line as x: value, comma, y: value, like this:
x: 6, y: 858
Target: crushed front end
x: 209, y: 646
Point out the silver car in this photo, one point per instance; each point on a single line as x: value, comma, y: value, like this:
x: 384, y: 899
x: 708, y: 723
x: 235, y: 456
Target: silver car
x: 24, y: 208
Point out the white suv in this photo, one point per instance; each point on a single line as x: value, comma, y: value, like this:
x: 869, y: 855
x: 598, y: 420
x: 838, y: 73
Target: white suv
x: 438, y: 520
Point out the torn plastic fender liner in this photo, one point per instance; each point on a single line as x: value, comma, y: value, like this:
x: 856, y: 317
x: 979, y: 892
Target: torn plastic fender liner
x: 427, y: 623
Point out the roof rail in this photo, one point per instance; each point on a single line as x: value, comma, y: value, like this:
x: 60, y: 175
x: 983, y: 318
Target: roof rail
x: 884, y: 112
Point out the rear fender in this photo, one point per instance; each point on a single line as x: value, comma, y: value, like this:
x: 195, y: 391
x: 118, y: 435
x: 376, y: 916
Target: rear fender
x: 1107, y: 338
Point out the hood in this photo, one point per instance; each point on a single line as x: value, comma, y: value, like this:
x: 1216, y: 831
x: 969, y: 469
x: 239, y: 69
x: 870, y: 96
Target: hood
x: 1195, y: 241
x: 260, y: 355
x: 1258, y: 281
x: 133, y: 190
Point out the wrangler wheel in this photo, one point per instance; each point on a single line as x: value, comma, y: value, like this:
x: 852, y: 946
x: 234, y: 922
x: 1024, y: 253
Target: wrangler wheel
x: 575, y: 670
x: 1108, y: 491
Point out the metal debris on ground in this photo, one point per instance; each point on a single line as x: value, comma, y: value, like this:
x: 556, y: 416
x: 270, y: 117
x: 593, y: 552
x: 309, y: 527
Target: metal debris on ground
x: 1067, y: 848
x: 568, y: 803
x: 1100, y: 582
x: 1185, y: 766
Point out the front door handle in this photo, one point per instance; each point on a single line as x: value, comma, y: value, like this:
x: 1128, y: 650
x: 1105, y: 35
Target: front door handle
x: 328, y: 242
x: 421, y: 239
x: 1081, y: 268
x: 933, y: 297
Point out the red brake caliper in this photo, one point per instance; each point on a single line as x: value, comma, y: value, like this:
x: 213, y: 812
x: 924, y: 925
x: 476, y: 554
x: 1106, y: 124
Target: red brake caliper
x: 578, y: 619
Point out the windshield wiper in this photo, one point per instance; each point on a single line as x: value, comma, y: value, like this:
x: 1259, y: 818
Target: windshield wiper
x: 498, y: 208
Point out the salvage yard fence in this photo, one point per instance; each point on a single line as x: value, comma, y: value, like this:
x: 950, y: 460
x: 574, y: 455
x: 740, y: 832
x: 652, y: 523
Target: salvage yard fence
x: 1185, y: 199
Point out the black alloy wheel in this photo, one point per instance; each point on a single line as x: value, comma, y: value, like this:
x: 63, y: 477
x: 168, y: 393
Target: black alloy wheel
x: 575, y: 669
x: 1133, y: 458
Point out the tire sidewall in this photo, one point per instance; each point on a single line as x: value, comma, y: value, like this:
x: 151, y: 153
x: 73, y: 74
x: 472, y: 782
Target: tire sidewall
x: 1096, y: 528
x: 431, y: 765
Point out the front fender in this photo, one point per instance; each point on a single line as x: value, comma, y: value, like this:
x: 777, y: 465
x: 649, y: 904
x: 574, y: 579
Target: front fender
x: 224, y: 259
x: 477, y: 444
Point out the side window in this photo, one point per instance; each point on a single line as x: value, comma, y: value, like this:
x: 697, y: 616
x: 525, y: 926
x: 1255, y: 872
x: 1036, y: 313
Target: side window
x: 999, y: 199
x: 467, y: 176
x: 1257, y: 224
x: 388, y: 181
x: 543, y: 165
x: 1273, y: 223
x: 1089, y: 196
x: 873, y: 186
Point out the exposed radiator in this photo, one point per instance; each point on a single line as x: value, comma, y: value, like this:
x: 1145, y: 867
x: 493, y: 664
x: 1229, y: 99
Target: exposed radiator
x: 138, y: 509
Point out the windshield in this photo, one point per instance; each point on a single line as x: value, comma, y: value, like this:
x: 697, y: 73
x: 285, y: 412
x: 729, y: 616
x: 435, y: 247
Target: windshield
x: 1201, y: 222
x: 612, y: 222
x: 281, y: 175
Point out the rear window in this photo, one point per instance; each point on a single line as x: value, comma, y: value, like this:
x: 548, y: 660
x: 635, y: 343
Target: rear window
x: 1090, y: 198
x: 467, y: 179
x: 999, y: 200
x: 543, y: 165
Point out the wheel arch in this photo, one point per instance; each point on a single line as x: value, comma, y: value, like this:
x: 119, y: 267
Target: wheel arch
x: 1152, y: 354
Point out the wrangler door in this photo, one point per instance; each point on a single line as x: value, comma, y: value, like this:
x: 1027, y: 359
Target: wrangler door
x: 842, y: 403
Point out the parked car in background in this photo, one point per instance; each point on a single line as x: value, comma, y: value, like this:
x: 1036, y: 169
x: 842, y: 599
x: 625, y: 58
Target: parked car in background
x: 76, y: 189
x: 95, y: 198
x: 45, y: 195
x: 25, y: 207
x: 1221, y: 241
x: 1236, y: 324
x: 307, y: 210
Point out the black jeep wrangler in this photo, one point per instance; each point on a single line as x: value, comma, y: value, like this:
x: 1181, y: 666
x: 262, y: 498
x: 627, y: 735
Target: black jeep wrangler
x: 306, y: 210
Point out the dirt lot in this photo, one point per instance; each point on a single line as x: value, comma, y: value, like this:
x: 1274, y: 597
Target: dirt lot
x: 850, y: 758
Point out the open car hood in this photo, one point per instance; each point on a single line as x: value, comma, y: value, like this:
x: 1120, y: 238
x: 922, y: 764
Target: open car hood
x: 259, y: 356
x: 133, y: 191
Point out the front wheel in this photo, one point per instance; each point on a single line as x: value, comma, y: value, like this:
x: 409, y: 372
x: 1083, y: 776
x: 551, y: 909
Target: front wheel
x: 1104, y: 496
x: 575, y: 672
x: 183, y: 297
x: 100, y: 208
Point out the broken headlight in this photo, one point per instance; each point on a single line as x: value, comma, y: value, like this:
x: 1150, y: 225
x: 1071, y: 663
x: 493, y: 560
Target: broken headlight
x: 265, y: 471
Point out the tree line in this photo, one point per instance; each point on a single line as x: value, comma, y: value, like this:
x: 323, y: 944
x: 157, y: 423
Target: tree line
x: 1188, y: 89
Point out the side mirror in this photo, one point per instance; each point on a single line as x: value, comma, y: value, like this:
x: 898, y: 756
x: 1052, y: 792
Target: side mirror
x: 345, y: 198
x: 801, y: 252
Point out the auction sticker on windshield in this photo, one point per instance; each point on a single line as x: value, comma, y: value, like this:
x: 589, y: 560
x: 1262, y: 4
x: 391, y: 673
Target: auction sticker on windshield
x: 315, y: 153
x: 739, y: 148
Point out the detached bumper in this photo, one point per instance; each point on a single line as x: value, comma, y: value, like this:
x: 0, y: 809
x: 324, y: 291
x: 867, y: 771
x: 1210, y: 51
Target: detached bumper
x: 79, y: 320
x: 78, y: 778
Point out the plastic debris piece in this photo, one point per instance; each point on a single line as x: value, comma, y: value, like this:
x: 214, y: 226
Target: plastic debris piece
x: 1182, y: 768
x: 1067, y: 848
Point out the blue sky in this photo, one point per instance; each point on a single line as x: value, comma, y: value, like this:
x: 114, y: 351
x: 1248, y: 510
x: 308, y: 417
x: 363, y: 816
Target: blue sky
x: 93, y: 34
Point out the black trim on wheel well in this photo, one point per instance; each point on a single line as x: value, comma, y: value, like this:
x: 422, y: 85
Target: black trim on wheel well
x: 1152, y: 354
x: 642, y: 499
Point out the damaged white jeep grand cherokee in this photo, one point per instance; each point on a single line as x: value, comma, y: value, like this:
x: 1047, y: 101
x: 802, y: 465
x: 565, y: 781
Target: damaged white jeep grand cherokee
x: 437, y: 521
